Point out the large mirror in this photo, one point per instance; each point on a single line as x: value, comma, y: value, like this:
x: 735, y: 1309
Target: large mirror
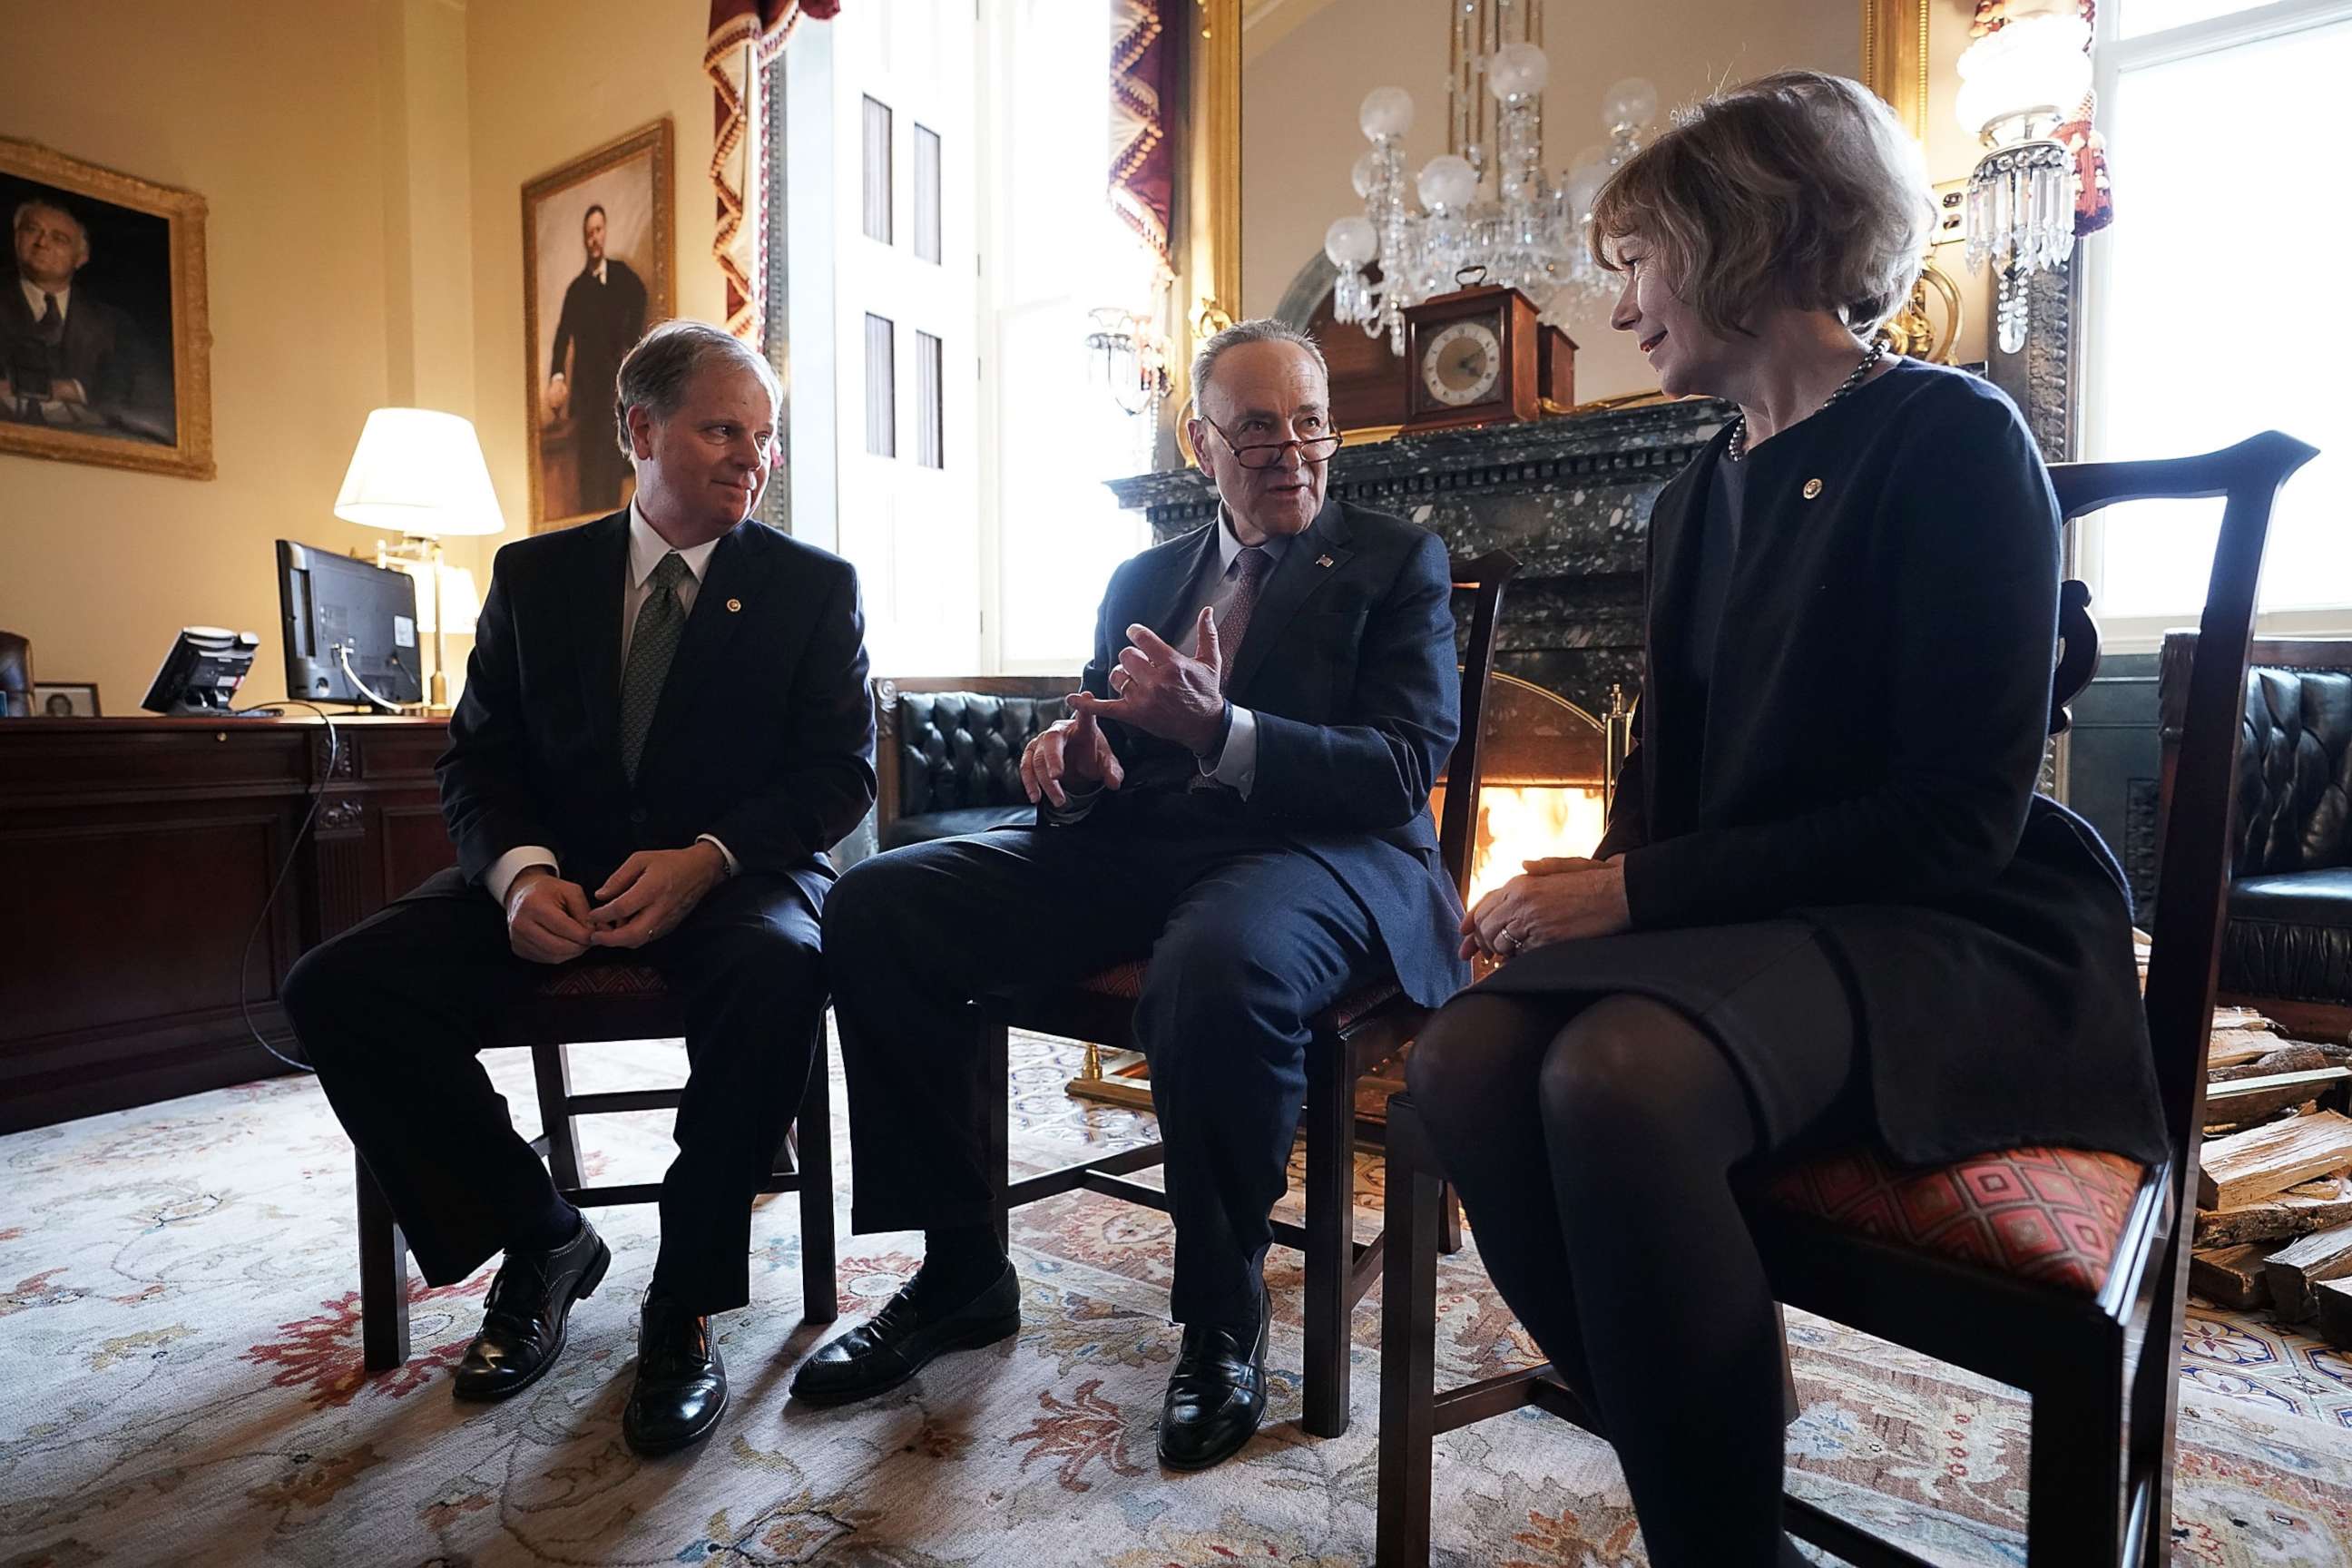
x: 1306, y: 66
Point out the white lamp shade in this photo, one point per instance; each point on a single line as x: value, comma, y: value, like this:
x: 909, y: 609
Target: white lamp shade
x: 1516, y: 70
x: 1447, y: 180
x: 1351, y: 241
x: 2034, y: 65
x: 420, y: 472
x: 1386, y: 111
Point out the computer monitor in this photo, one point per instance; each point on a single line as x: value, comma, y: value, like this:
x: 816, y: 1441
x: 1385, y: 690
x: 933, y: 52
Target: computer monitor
x: 201, y: 673
x: 346, y: 618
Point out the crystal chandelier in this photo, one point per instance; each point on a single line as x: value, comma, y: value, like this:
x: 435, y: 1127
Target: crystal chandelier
x: 2017, y: 85
x: 1486, y: 207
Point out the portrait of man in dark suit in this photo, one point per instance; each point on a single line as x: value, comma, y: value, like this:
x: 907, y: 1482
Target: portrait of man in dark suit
x: 1243, y: 794
x: 603, y: 314
x: 69, y: 357
x: 665, y: 726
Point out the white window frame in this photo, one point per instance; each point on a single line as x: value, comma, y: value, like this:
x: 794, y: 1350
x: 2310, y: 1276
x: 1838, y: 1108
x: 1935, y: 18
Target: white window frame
x: 2112, y: 56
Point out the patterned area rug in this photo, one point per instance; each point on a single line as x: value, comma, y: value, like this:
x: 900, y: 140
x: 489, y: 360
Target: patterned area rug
x: 180, y: 1382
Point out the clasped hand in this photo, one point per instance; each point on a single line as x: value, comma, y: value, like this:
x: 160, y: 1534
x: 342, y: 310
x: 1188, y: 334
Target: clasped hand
x: 1559, y: 897
x: 552, y: 921
x: 1156, y: 689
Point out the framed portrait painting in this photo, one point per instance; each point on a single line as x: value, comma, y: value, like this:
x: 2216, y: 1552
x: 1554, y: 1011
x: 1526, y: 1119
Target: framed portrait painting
x: 66, y: 699
x: 596, y: 275
x: 105, y: 352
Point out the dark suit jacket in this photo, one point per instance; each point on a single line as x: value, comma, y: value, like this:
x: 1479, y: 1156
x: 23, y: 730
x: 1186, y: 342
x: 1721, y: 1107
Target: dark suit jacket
x: 764, y: 736
x: 1866, y: 753
x: 97, y: 350
x: 1349, y: 668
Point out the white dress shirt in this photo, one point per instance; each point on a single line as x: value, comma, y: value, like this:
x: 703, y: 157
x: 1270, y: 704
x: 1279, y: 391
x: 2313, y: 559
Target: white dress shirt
x: 40, y: 306
x: 646, y: 549
x: 1236, y: 765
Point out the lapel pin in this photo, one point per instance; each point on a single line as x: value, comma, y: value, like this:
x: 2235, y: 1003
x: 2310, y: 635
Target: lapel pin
x: 1324, y: 561
x: 1812, y: 488
x: 733, y: 605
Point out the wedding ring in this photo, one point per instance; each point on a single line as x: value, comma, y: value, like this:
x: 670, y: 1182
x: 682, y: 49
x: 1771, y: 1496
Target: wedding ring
x: 1508, y: 940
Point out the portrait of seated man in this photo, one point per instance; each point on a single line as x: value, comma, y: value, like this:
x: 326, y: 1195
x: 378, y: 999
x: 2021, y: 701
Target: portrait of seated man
x: 68, y: 357
x: 665, y: 726
x: 1242, y: 792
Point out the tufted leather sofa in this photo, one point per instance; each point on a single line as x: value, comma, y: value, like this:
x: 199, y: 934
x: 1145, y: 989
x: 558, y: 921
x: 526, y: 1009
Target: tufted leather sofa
x: 2287, y: 947
x: 949, y: 751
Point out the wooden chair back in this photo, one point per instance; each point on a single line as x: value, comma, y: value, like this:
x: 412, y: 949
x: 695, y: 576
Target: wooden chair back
x: 1484, y: 577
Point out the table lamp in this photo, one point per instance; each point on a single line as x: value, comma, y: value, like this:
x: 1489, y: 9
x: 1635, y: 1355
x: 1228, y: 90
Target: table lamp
x: 419, y: 473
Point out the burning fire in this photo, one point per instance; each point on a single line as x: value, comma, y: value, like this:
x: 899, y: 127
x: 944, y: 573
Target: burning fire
x: 1526, y: 824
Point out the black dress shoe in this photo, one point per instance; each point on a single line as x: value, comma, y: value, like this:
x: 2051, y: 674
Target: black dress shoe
x: 681, y: 1388
x: 901, y: 1339
x: 523, y: 1315
x: 1217, y: 1395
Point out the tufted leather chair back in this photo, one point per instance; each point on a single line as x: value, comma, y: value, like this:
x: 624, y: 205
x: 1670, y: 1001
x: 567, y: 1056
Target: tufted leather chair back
x: 962, y: 749
x: 2294, y: 771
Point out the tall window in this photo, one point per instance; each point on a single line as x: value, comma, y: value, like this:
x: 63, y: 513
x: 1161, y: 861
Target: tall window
x: 878, y: 171
x: 2210, y: 318
x: 881, y: 386
x: 1056, y: 250
x: 927, y: 195
x: 931, y: 402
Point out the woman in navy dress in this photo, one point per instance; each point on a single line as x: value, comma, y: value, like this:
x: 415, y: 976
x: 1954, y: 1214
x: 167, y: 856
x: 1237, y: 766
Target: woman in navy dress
x: 1830, y: 906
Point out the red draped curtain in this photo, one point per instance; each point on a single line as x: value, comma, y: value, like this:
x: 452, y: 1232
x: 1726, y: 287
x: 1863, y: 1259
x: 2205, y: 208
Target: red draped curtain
x: 746, y: 36
x: 1143, y: 89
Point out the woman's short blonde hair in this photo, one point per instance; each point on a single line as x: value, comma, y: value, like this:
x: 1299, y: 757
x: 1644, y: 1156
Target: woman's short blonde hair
x: 1798, y: 189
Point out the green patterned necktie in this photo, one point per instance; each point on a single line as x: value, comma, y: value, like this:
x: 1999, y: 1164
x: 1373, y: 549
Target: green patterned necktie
x: 661, y: 621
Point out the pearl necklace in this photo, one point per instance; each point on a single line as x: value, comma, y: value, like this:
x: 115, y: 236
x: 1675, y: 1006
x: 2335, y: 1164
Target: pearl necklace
x: 1739, y: 449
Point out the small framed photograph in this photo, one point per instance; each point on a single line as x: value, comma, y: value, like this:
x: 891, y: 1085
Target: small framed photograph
x: 65, y: 699
x: 596, y: 275
x: 105, y: 351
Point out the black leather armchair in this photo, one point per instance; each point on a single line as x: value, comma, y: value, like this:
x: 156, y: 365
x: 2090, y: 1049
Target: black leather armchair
x: 2287, y: 947
x: 949, y: 752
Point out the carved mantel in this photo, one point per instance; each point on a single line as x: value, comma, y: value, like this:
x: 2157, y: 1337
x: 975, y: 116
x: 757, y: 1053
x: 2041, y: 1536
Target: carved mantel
x: 1571, y: 497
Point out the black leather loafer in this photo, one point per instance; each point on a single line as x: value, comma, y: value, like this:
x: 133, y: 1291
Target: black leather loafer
x: 524, y: 1314
x: 681, y: 1388
x: 1217, y: 1395
x: 901, y: 1339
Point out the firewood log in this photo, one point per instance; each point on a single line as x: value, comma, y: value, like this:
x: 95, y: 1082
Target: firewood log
x: 2232, y: 1278
x: 2322, y: 1255
x: 2298, y: 1211
x: 2265, y: 1160
x: 2335, y: 1311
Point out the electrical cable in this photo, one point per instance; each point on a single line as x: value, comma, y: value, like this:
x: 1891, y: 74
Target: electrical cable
x: 318, y: 796
x: 343, y: 657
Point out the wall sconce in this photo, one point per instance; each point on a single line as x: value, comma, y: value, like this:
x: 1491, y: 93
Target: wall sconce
x: 2017, y: 86
x: 1128, y: 359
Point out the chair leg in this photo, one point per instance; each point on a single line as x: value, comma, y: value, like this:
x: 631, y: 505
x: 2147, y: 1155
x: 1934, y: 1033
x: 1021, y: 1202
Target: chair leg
x: 820, y: 1298
x: 1330, y: 1119
x: 384, y: 1277
x: 2156, y: 1405
x: 1449, y: 1221
x: 2074, y: 1515
x: 995, y: 1068
x: 552, y: 1071
x: 1408, y: 1350
x: 1790, y: 1409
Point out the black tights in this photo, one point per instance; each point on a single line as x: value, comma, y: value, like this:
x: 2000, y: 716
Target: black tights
x: 1593, y: 1151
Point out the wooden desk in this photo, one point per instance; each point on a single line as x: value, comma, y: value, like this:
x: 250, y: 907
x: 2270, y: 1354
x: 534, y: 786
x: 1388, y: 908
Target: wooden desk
x: 135, y: 856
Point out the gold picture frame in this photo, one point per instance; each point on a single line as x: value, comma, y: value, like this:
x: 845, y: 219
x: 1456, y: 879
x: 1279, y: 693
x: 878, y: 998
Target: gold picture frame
x: 577, y: 472
x: 123, y: 378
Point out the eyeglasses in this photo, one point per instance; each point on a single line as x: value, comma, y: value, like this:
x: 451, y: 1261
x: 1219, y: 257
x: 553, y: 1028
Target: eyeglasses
x: 1269, y: 454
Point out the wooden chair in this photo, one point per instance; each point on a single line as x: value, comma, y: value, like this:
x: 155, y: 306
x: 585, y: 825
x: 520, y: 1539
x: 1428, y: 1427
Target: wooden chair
x: 2062, y: 1272
x: 583, y: 1003
x: 1349, y: 1040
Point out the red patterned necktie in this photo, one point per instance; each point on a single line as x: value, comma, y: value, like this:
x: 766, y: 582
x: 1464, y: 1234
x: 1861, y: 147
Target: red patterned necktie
x: 1253, y: 563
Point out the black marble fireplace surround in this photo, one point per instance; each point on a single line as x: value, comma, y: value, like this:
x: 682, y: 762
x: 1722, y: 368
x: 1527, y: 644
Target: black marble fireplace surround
x: 1571, y: 497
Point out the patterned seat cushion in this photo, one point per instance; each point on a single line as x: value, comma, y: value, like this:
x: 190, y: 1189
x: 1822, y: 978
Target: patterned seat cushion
x: 1126, y: 980
x: 2052, y: 1216
x: 604, y: 980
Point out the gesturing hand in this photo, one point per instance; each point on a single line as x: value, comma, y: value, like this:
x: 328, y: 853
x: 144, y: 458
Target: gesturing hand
x: 1566, y: 898
x: 1162, y: 692
x: 1068, y: 751
x: 653, y: 890
x: 547, y: 917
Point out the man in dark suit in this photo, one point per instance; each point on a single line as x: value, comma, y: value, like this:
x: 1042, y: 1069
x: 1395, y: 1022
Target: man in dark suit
x: 65, y: 355
x: 665, y: 725
x: 1243, y: 794
x: 603, y: 314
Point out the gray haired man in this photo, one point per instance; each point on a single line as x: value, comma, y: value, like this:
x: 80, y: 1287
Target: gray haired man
x: 665, y: 726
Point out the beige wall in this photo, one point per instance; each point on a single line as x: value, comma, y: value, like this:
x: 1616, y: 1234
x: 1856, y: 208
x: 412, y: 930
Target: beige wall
x: 1310, y: 62
x: 540, y: 95
x: 276, y: 121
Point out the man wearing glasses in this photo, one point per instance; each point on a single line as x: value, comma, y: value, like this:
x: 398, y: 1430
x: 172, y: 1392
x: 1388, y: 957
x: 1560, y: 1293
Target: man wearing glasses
x: 1242, y: 792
